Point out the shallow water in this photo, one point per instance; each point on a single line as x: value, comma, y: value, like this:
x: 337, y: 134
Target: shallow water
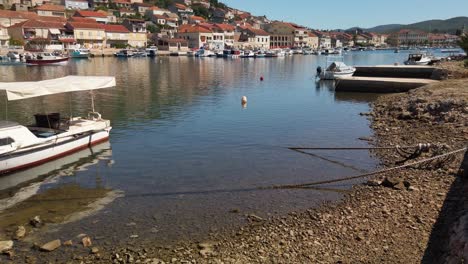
x: 185, y: 152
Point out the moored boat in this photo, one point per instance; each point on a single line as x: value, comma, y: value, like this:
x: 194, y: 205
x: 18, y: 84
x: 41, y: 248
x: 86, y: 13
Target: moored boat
x: 51, y: 137
x: 124, y: 53
x: 336, y: 69
x: 46, y: 59
x: 80, y: 53
x: 418, y: 59
x: 13, y: 55
x: 152, y: 51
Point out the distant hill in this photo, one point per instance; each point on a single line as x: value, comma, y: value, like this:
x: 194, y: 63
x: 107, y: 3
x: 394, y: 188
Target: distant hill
x: 449, y: 26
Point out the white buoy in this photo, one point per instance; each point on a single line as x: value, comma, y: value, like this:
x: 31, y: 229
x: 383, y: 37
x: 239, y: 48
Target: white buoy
x: 244, y: 100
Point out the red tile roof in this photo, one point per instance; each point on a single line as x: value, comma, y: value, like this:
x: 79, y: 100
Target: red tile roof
x: 225, y: 27
x: 17, y: 14
x: 51, y: 19
x: 121, y: 2
x: 81, y: 25
x: 197, y: 18
x: 193, y: 29
x: 48, y: 7
x: 86, y: 13
x: 34, y: 23
x: 180, y: 6
x: 115, y: 28
x: 82, y: 19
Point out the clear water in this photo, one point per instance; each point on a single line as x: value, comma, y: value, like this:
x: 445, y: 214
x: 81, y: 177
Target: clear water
x: 183, y: 150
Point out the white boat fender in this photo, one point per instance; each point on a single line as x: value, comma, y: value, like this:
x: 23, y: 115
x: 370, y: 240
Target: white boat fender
x: 244, y: 100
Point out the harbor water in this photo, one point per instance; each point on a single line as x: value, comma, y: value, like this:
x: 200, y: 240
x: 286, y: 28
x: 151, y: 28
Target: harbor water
x: 185, y: 158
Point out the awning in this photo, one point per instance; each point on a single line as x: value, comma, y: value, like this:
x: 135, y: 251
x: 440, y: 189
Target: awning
x: 54, y: 31
x: 23, y: 90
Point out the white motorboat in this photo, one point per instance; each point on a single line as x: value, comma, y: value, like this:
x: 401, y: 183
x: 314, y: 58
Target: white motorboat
x: 336, y: 69
x: 124, y: 53
x: 80, y: 53
x: 418, y: 59
x: 46, y: 58
x: 51, y: 137
x: 152, y: 51
x: 247, y: 54
x: 307, y: 51
x: 204, y: 53
x: 13, y: 55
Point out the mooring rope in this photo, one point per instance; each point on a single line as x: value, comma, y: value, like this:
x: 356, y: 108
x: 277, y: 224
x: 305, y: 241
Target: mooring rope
x: 369, y: 173
x: 419, y: 146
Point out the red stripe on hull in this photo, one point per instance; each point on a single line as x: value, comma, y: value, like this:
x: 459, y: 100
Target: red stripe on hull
x: 60, y: 155
x: 43, y: 62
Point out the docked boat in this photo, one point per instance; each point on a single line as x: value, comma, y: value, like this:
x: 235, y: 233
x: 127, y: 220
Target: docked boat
x: 152, y: 51
x: 337, y: 69
x: 46, y: 59
x: 418, y: 59
x: 124, y: 53
x: 231, y: 53
x: 51, y: 136
x: 204, y: 53
x: 307, y: 51
x: 13, y: 55
x: 80, y: 53
x: 247, y: 54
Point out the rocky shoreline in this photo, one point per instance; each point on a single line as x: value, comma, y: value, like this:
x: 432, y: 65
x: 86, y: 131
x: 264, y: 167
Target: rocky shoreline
x: 398, y: 217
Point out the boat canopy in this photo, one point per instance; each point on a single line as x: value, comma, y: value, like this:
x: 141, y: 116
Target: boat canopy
x: 24, y: 90
x: 337, y: 65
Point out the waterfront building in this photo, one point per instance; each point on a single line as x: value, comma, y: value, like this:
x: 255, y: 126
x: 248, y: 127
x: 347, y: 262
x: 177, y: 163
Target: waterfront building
x: 49, y: 34
x: 409, y: 37
x: 4, y: 37
x: 96, y: 15
x: 281, y: 34
x: 9, y: 18
x: 252, y: 38
x: 77, y: 4
x: 138, y: 34
x: 301, y: 36
x: 116, y: 35
x: 224, y: 33
x: 173, y: 45
x: 313, y: 40
x: 183, y: 11
x: 443, y: 39
x: 89, y: 35
x: 196, y: 35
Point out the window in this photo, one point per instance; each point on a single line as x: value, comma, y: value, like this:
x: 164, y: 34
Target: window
x: 6, y: 141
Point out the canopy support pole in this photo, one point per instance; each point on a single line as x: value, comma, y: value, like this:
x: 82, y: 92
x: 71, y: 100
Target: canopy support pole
x: 92, y: 101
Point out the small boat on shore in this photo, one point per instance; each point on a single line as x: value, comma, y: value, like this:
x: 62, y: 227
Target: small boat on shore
x: 418, y: 59
x: 80, y: 53
x: 51, y: 136
x: 46, y: 58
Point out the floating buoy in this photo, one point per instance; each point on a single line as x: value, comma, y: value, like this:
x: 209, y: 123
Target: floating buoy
x: 261, y: 78
x: 244, y: 100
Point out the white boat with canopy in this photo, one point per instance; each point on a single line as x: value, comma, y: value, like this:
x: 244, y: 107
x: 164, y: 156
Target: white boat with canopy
x: 52, y: 136
x: 336, y: 69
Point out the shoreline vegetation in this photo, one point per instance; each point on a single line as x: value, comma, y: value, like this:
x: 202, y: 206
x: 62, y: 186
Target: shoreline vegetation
x: 404, y: 216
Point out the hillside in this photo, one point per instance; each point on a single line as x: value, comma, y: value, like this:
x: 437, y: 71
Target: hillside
x: 436, y: 25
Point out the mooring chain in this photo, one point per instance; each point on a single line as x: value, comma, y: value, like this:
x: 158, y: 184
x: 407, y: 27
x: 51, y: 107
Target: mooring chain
x: 443, y: 157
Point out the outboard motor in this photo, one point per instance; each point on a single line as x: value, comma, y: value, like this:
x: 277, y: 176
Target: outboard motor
x: 319, y: 71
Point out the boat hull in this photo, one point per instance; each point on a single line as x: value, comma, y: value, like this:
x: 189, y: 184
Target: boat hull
x: 46, y: 61
x: 23, y: 159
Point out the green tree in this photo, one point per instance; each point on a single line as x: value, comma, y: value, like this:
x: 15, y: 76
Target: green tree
x: 201, y: 11
x: 152, y: 28
x: 463, y: 43
x: 103, y: 8
x: 16, y: 42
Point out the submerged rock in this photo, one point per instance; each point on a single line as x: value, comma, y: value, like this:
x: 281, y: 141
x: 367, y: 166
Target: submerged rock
x: 36, y: 221
x: 20, y: 232
x: 51, y: 246
x: 86, y: 241
x: 6, y: 246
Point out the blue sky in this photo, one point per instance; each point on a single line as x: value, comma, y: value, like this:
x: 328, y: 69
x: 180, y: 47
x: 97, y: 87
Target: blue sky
x: 334, y: 14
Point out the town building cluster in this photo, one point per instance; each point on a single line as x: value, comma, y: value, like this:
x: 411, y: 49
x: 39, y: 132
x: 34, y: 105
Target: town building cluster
x: 99, y: 24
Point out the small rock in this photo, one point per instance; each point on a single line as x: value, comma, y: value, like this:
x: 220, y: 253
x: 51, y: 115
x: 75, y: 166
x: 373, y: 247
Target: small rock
x: 399, y: 186
x: 390, y: 182
x: 20, y: 232
x: 94, y: 250
x: 134, y: 236
x: 373, y: 183
x: 6, y: 246
x: 68, y: 243
x: 86, y: 241
x: 51, y: 246
x: 254, y: 218
x: 36, y: 221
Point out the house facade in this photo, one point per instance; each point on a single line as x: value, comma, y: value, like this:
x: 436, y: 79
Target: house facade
x: 50, y: 10
x: 89, y: 35
x: 9, y: 18
x: 138, y: 34
x: 97, y: 16
x: 116, y: 35
x: 4, y: 37
x: 252, y: 38
x: 196, y: 36
x: 76, y: 4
